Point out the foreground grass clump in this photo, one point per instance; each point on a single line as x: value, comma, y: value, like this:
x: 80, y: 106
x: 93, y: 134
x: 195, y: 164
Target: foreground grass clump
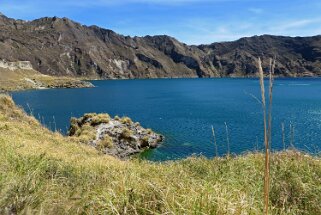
x: 44, y: 172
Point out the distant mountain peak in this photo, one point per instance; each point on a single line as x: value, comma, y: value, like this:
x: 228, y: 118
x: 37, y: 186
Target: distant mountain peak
x: 60, y: 46
x: 3, y: 16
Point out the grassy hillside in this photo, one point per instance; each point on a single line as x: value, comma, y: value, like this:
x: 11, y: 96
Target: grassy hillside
x: 21, y: 79
x: 45, y: 173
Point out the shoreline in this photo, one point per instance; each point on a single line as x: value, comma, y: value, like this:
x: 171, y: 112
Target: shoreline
x: 61, y: 84
x: 74, y: 83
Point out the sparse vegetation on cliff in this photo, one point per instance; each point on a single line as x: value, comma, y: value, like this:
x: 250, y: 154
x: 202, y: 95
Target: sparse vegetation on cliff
x: 44, y: 172
x: 106, y: 142
x: 126, y: 120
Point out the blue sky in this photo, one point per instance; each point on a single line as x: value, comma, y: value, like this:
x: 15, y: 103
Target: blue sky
x: 190, y: 21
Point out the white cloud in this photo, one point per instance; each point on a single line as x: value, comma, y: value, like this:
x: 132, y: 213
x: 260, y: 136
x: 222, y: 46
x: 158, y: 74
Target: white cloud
x: 295, y: 24
x: 256, y: 10
x: 208, y: 31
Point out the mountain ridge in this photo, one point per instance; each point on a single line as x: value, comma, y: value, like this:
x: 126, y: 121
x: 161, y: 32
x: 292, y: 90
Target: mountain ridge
x: 62, y: 47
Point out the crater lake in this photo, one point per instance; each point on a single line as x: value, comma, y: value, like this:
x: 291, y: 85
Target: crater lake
x: 184, y: 110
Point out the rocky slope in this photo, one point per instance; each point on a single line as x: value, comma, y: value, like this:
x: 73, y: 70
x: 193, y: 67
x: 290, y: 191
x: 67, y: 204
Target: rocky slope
x: 295, y: 56
x: 59, y: 46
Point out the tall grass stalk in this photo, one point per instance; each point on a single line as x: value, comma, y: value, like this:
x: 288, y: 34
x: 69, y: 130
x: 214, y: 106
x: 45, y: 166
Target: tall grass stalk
x: 283, y: 135
x: 227, y: 140
x: 215, y: 143
x: 257, y: 144
x: 54, y: 121
x: 291, y: 135
x: 267, y: 127
x: 30, y: 110
x: 271, y: 81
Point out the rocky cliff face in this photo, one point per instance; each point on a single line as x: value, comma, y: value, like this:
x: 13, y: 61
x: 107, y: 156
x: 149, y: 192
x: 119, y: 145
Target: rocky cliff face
x: 26, y: 65
x: 295, y: 56
x: 59, y: 46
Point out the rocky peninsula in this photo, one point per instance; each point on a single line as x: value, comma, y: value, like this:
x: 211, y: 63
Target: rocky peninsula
x: 20, y: 75
x: 118, y: 137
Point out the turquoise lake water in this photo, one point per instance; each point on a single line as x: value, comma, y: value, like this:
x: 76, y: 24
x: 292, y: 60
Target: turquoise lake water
x: 183, y: 110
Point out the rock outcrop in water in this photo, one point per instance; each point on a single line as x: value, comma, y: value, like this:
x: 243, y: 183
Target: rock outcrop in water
x: 119, y: 137
x: 60, y: 47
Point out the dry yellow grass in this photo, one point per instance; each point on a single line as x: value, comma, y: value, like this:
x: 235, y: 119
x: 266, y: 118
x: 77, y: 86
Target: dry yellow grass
x: 42, y: 172
x: 126, y: 120
x: 107, y: 142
